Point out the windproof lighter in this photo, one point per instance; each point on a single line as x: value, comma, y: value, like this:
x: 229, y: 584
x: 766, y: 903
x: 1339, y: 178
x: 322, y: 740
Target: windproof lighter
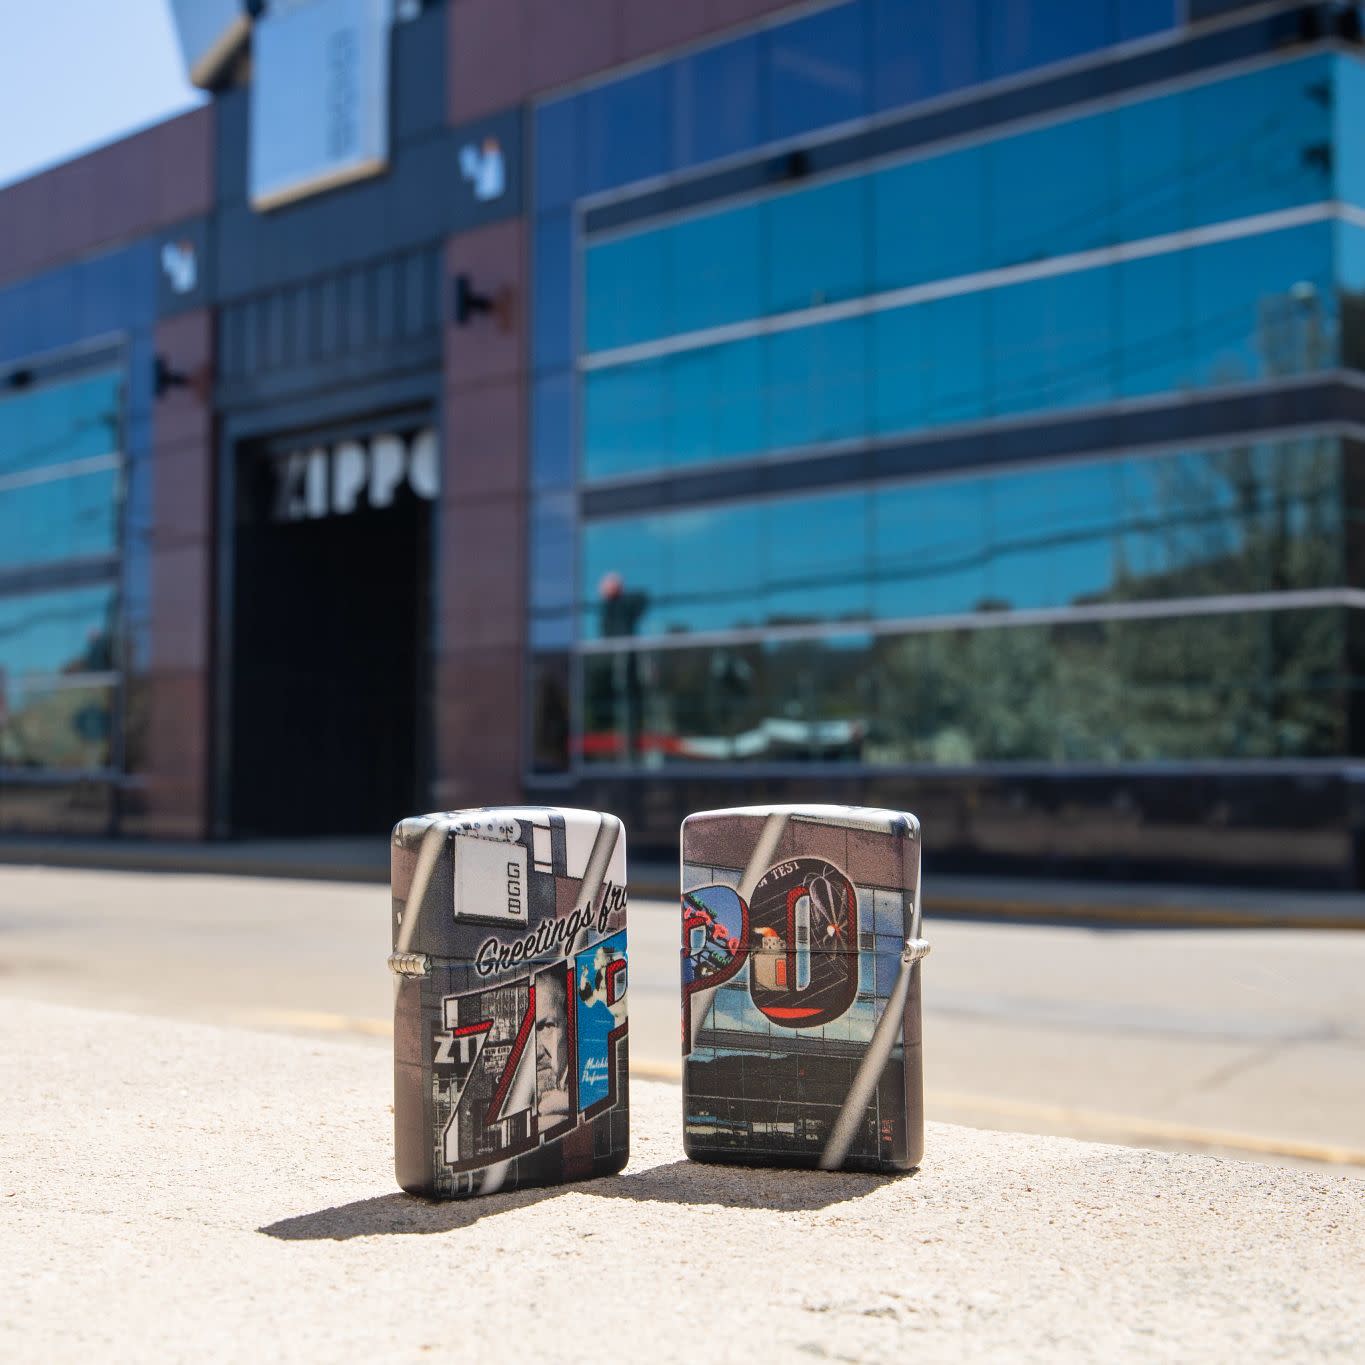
x: 509, y: 953
x: 801, y: 987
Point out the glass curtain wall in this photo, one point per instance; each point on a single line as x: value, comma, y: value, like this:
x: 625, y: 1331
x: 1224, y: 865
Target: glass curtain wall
x: 1163, y: 606
x: 1173, y: 244
x: 1160, y: 605
x: 60, y: 496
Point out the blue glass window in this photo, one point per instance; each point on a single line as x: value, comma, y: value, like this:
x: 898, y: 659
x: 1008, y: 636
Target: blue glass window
x: 551, y: 571
x: 1350, y: 257
x: 817, y: 245
x: 1057, y: 185
x: 551, y: 340
x: 929, y: 219
x: 817, y: 384
x: 549, y: 686
x: 1021, y: 572
x: 717, y: 268
x: 717, y: 106
x: 54, y: 424
x: 1152, y: 335
x: 557, y: 157
x: 54, y: 503
x: 929, y: 549
x: 625, y: 419
x: 692, y: 397
x: 1159, y: 526
x: 1138, y: 18
x: 69, y: 518
x: 688, y: 571
x: 715, y: 403
x: 1258, y: 143
x: 1023, y: 34
x: 739, y: 381
x: 697, y: 273
x: 1020, y: 364
x: 631, y: 557
x: 552, y: 431
x: 46, y: 640
x: 715, y: 559
x: 957, y: 386
x: 628, y: 293
x: 1148, y: 167
x: 1228, y: 313
x: 1263, y: 307
x: 817, y: 558
x: 1052, y: 344
x: 1349, y: 115
x: 817, y: 71
x: 898, y: 370
x: 922, y: 48
x: 1080, y: 544
x: 625, y: 130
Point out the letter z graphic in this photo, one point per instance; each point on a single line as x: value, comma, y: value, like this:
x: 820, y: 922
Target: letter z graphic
x: 470, y: 1136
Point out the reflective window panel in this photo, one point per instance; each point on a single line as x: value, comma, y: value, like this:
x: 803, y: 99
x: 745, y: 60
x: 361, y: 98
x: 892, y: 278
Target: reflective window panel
x: 1230, y: 149
x: 1256, y: 685
x: 1230, y: 313
x: 50, y: 717
x: 54, y: 424
x: 1258, y: 517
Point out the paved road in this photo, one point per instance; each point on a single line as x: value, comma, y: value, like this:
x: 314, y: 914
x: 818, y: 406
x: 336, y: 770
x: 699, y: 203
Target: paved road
x: 1249, y: 1041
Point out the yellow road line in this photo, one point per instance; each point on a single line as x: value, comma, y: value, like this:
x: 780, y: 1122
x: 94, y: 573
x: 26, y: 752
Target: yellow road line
x: 321, y: 1022
x: 657, y: 1071
x: 1088, y: 1121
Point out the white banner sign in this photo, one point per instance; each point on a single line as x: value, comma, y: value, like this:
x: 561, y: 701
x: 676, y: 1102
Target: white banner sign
x: 319, y: 97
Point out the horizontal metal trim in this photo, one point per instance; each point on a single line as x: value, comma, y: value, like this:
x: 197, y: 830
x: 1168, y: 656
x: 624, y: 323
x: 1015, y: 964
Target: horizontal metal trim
x: 58, y: 777
x: 97, y: 570
x: 1303, y: 406
x: 977, y: 282
x: 1224, y: 604
x: 59, y: 682
x: 68, y: 469
x: 1031, y: 422
x: 57, y: 364
x: 1173, y: 55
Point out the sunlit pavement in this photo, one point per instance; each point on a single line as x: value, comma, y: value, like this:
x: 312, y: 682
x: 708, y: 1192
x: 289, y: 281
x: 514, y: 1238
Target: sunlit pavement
x: 223, y: 1194
x: 1250, y: 1042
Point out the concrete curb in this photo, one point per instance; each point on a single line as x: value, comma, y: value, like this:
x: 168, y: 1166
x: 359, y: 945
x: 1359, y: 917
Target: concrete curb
x: 202, y: 859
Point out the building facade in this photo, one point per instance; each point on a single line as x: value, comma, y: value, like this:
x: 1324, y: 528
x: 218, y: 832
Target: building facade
x: 658, y: 406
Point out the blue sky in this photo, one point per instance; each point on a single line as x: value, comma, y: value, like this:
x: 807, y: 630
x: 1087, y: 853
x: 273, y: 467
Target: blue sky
x: 78, y: 73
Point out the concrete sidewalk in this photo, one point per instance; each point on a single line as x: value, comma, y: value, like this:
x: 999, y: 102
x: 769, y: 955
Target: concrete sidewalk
x: 175, y: 1191
x: 1006, y: 898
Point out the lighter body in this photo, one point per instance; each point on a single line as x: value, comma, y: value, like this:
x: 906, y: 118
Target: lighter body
x: 509, y: 955
x: 800, y: 959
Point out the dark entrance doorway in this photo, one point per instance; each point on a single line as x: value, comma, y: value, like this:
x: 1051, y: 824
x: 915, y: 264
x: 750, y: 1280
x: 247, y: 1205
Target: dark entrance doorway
x: 332, y: 570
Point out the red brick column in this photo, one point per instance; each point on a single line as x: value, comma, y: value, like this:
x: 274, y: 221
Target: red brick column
x: 171, y: 799
x: 481, y: 595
